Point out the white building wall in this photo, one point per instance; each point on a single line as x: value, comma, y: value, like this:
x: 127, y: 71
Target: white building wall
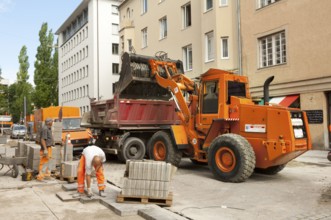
x: 85, y: 59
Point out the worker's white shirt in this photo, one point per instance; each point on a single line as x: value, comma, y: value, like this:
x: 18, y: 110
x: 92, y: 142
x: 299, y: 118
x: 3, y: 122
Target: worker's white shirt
x: 89, y: 153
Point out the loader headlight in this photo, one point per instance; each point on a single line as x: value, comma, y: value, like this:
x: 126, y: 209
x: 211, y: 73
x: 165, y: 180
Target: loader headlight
x: 298, y: 126
x: 298, y: 133
x: 297, y: 122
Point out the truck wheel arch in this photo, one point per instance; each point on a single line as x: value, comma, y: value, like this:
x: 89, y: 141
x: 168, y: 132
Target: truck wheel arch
x: 161, y: 147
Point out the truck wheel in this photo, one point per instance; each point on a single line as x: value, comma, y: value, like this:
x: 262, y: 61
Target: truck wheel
x: 329, y: 156
x: 160, y: 147
x: 271, y: 170
x: 14, y: 172
x: 231, y: 158
x: 133, y: 149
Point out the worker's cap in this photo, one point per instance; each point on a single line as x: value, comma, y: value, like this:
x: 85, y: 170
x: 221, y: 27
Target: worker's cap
x: 48, y: 120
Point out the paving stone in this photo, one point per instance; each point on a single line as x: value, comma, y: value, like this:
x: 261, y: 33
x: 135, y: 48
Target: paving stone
x: 86, y: 199
x: 123, y: 209
x: 66, y: 196
x: 158, y: 213
x: 70, y: 187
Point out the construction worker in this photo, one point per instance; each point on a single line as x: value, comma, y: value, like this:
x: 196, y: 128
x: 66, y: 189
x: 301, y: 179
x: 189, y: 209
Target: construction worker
x: 92, y: 156
x: 46, y: 143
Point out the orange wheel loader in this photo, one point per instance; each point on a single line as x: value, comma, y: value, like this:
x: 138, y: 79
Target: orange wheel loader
x: 215, y: 120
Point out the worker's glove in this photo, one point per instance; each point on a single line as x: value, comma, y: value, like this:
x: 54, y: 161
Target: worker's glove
x: 89, y: 192
x: 45, y: 152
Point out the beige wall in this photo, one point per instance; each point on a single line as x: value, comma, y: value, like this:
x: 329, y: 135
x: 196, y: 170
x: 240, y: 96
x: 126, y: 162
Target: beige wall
x: 307, y: 71
x: 219, y: 19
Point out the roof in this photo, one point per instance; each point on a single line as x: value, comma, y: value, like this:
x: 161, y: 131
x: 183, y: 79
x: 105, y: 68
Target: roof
x: 73, y: 16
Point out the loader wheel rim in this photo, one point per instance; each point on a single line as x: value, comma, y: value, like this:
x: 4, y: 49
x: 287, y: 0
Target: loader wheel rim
x: 225, y: 159
x: 159, y: 151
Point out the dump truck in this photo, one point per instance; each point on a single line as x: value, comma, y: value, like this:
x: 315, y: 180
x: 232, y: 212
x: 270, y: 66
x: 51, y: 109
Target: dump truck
x: 159, y: 111
x: 70, y: 118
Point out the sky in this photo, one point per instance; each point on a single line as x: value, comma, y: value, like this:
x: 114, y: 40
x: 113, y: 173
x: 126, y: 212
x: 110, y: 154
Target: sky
x: 20, y: 22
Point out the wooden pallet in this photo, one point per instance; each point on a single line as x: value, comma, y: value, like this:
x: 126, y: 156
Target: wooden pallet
x: 69, y: 179
x: 145, y: 199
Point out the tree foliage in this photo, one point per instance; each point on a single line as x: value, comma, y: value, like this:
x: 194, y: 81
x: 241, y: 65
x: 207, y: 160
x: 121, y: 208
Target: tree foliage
x: 45, y: 74
x: 21, y: 88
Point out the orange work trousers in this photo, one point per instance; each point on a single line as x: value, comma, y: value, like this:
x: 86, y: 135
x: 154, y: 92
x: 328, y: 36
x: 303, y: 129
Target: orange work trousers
x: 81, y: 176
x: 44, y: 160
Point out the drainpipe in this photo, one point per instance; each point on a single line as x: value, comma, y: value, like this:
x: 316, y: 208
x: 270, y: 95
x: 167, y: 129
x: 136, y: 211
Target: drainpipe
x: 98, y: 77
x: 239, y: 38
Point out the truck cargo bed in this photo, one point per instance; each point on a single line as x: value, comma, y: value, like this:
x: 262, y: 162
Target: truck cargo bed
x: 132, y: 113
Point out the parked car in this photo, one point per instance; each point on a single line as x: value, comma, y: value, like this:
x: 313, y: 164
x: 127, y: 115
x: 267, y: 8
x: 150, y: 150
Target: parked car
x: 18, y: 131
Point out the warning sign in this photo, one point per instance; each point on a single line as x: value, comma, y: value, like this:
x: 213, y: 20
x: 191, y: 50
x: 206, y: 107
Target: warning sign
x: 257, y: 128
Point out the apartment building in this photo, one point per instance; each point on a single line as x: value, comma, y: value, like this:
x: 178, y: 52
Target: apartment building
x: 203, y: 34
x: 289, y: 40
x: 88, y: 53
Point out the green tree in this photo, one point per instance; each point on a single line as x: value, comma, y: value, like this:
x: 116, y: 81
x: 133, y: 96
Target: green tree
x: 45, y: 74
x: 3, y: 96
x: 21, y: 88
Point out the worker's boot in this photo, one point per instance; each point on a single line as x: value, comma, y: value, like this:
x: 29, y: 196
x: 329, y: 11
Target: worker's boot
x: 102, y: 193
x: 40, y: 176
x: 47, y: 175
x: 89, y: 193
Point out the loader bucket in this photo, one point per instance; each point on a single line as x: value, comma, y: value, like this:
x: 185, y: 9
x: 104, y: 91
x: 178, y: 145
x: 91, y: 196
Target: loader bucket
x: 136, y: 80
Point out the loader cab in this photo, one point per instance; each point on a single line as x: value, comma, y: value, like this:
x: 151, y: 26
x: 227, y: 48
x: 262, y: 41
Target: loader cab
x: 216, y: 89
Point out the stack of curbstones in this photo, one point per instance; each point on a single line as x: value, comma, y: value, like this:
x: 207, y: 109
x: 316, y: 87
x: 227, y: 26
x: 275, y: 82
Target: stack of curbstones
x: 148, y: 178
x: 57, y: 132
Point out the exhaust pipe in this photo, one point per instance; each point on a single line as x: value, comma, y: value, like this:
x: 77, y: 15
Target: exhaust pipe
x: 266, y: 90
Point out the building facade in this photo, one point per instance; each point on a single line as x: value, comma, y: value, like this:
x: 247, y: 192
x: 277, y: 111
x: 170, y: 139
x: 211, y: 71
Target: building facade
x: 203, y: 34
x: 88, y: 53
x: 288, y: 39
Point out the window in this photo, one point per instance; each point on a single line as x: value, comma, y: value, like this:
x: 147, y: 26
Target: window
x: 272, y: 49
x: 210, y: 46
x: 113, y: 88
x: 225, y: 47
x: 129, y: 45
x: 115, y: 29
x: 186, y: 12
x: 263, y: 3
x: 209, y: 4
x: 224, y: 3
x: 143, y: 6
x: 115, y: 68
x: 210, y: 97
x: 187, y: 57
x: 115, y: 49
x: 163, y: 27
x: 114, y: 9
x: 144, y: 37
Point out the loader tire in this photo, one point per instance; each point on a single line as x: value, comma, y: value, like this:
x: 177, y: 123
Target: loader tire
x: 161, y: 147
x: 329, y: 156
x: 133, y: 149
x: 271, y: 170
x: 231, y: 158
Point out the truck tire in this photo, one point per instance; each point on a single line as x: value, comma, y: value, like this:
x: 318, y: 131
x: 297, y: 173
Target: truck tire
x: 329, y: 156
x: 271, y: 170
x: 231, y: 158
x: 133, y: 149
x: 160, y: 147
